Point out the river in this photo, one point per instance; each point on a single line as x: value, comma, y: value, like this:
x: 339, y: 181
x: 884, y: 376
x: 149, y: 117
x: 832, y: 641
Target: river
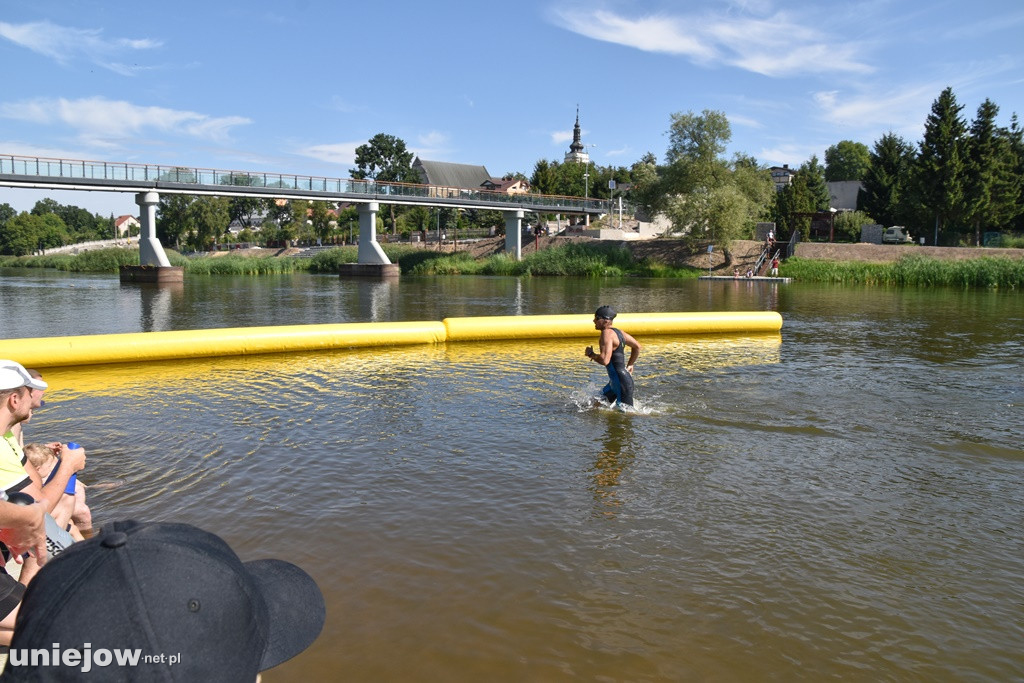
x: 840, y: 501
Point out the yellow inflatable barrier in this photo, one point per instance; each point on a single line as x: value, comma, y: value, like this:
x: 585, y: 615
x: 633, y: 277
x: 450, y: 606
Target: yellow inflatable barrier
x: 560, y: 326
x: 244, y: 341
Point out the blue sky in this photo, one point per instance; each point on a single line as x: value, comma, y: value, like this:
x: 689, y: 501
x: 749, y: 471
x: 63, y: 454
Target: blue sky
x: 296, y: 85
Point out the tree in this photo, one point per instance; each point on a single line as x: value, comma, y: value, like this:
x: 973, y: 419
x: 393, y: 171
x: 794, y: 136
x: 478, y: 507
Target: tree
x: 1015, y: 136
x: 703, y: 195
x: 321, y: 217
x: 848, y: 224
x: 991, y: 185
x: 210, y: 220
x: 385, y: 159
x: 939, y: 167
x: 698, y: 137
x: 885, y: 194
x: 174, y: 219
x: 847, y: 160
x: 814, y: 176
x: 24, y: 233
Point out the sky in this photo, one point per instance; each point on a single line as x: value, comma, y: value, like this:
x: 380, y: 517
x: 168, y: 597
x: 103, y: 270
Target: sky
x: 294, y: 86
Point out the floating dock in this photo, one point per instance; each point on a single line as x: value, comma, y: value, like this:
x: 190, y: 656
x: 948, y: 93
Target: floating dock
x: 744, y: 278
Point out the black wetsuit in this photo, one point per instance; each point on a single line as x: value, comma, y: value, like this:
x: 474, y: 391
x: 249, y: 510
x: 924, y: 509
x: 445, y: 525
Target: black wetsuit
x: 620, y: 381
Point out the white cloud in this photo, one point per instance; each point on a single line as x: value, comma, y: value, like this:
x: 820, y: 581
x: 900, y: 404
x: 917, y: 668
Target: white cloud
x: 66, y: 45
x: 777, y: 45
x: 104, y: 122
x: 343, y: 153
x: 560, y: 137
x: 900, y: 110
x: 745, y: 121
x: 432, y: 139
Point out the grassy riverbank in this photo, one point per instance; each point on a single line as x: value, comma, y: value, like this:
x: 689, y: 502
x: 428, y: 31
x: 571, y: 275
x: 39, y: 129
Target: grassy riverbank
x: 915, y: 271
x: 575, y: 259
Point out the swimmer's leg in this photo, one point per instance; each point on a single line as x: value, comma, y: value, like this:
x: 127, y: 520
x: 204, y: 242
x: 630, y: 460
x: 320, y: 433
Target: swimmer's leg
x: 626, y: 388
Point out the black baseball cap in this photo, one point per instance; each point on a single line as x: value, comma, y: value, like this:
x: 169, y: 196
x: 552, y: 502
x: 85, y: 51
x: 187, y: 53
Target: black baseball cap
x: 606, y: 312
x: 168, y: 591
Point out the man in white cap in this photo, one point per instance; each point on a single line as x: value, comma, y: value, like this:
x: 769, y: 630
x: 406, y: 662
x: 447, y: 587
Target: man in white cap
x: 18, y: 389
x: 21, y: 527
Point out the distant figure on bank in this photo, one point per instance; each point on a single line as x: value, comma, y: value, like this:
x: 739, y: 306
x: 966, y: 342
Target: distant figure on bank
x: 775, y: 266
x: 610, y: 354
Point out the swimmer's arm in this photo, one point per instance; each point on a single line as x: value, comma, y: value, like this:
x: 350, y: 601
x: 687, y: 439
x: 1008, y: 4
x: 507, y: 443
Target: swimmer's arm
x: 634, y: 350
x: 604, y: 356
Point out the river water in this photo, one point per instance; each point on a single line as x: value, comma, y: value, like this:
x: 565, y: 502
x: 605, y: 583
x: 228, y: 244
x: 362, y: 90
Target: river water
x: 841, y: 501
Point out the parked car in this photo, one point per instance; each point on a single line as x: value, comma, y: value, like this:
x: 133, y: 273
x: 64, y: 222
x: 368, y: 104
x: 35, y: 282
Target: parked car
x: 896, y: 234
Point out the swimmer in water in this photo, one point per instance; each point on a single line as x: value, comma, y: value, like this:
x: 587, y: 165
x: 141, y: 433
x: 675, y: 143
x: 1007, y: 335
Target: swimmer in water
x: 611, y: 354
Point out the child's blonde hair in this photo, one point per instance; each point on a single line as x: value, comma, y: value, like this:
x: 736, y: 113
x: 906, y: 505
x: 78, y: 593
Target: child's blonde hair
x: 40, y: 456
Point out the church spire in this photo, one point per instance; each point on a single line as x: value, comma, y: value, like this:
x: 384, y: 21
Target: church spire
x: 577, y: 150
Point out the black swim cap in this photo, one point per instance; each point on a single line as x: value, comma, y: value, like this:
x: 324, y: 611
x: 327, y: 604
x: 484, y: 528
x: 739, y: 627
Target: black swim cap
x: 606, y: 312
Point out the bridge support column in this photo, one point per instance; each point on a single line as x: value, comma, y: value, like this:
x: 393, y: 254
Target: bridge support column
x: 373, y: 262
x: 514, y: 233
x: 154, y: 266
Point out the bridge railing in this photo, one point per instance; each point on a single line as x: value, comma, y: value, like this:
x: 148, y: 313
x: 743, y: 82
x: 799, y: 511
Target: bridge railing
x: 70, y: 169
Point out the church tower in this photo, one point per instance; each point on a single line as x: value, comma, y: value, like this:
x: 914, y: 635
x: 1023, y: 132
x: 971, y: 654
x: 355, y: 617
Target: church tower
x: 577, y: 152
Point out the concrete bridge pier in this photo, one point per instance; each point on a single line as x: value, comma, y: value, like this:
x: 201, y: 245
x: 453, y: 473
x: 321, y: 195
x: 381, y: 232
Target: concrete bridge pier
x: 154, y: 266
x: 372, y: 261
x: 514, y: 233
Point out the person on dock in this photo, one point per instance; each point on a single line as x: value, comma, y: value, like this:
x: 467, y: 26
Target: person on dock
x: 775, y: 266
x: 611, y: 354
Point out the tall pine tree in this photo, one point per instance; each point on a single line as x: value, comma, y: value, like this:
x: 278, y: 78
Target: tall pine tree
x: 885, y: 197
x: 939, y: 168
x: 991, y: 187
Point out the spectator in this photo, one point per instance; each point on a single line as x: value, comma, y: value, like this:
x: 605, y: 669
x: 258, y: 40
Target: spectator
x: 165, y: 590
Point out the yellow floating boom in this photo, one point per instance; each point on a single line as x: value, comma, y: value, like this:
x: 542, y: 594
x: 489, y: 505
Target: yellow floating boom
x: 243, y: 341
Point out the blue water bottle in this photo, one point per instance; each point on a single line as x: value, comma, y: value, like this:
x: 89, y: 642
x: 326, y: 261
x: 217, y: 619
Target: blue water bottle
x: 70, y: 488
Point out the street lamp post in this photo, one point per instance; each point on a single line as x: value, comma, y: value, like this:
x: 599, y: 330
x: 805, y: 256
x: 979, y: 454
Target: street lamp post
x: 586, y: 187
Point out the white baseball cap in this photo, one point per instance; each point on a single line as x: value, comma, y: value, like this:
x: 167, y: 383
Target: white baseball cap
x: 14, y: 375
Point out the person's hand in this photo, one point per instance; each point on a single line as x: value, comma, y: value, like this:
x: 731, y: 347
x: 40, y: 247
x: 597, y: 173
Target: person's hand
x: 24, y: 531
x: 629, y: 369
x: 75, y: 456
x: 589, y: 352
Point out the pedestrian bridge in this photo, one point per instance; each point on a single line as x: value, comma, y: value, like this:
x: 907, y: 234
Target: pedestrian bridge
x: 148, y: 181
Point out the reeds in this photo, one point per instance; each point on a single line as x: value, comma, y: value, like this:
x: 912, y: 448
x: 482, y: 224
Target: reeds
x: 913, y: 271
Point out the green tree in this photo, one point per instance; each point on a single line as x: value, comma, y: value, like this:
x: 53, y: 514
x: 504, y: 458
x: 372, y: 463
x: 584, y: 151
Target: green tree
x: 939, y: 166
x: 279, y: 211
x: 814, y: 175
x: 1015, y: 136
x: 790, y: 202
x: 210, y: 220
x: 698, y: 137
x: 991, y: 185
x: 26, y: 232
x: 705, y: 196
x: 321, y: 218
x: 385, y: 159
x: 885, y: 195
x: 543, y: 180
x: 174, y: 219
x: 847, y: 160
x: 848, y: 224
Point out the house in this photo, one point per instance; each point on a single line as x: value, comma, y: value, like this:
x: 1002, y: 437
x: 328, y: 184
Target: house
x: 125, y: 226
x: 782, y: 176
x: 843, y: 194
x: 447, y: 174
x: 511, y: 186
